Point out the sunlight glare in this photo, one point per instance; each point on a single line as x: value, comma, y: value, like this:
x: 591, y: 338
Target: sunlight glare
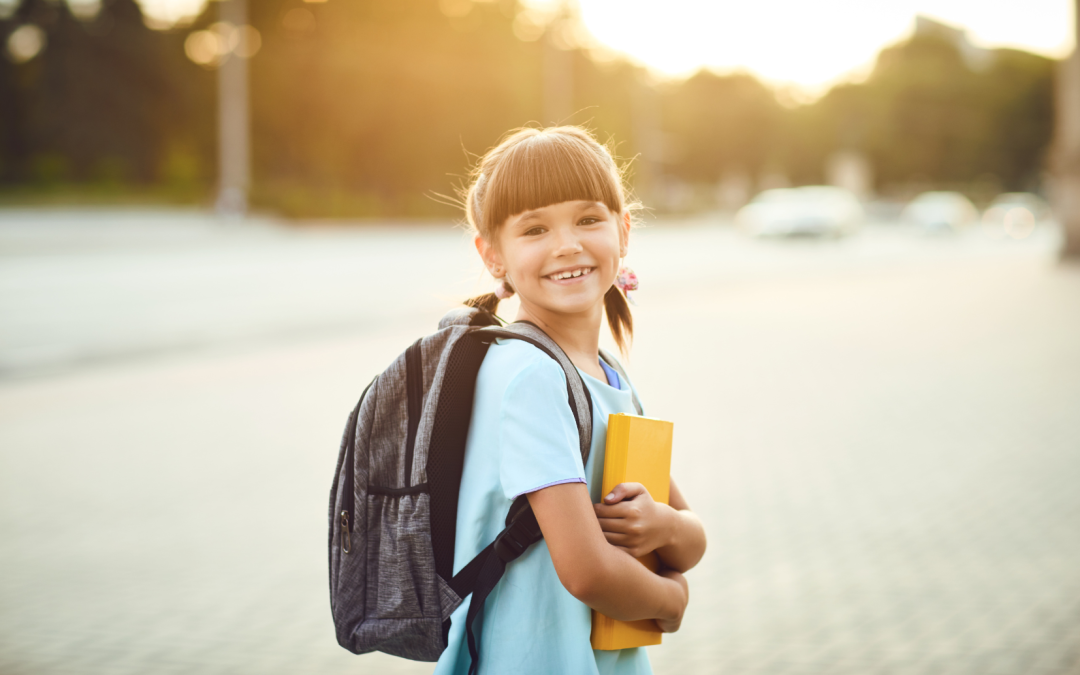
x: 810, y: 46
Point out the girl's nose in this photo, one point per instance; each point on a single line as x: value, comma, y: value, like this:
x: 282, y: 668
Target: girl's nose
x: 568, y: 242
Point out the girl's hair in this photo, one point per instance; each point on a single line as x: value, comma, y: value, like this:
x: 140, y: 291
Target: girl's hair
x: 532, y: 168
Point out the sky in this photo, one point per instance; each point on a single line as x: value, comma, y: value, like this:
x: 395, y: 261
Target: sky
x: 805, y: 45
x: 810, y: 44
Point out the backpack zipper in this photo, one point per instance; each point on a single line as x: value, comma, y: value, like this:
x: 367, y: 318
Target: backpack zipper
x: 348, y: 500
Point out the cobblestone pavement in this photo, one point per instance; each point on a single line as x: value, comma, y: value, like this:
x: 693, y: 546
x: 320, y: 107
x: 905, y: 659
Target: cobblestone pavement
x: 882, y: 436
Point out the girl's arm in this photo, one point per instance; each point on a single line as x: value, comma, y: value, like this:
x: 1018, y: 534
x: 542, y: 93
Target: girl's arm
x: 598, y: 574
x: 632, y: 521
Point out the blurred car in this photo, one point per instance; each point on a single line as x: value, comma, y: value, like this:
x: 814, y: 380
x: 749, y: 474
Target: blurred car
x: 1032, y: 202
x: 940, y: 212
x: 816, y: 210
x: 1014, y: 214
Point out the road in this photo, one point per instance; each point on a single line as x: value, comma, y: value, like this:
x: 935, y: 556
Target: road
x: 881, y: 435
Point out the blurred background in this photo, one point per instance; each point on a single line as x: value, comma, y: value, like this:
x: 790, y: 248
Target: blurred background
x: 860, y: 305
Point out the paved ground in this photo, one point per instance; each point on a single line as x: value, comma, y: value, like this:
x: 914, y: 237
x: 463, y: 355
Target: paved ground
x: 882, y: 435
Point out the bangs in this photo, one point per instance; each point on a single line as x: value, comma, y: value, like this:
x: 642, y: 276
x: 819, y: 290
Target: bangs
x: 550, y: 168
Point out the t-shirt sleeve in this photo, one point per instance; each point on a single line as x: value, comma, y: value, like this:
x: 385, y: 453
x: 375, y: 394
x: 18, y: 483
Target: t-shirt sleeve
x: 538, y: 437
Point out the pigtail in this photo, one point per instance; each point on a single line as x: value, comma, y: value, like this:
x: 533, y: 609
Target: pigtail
x: 619, y: 318
x: 488, y: 302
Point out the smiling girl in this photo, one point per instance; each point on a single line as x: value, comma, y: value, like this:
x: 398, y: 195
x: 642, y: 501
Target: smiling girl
x: 552, y: 223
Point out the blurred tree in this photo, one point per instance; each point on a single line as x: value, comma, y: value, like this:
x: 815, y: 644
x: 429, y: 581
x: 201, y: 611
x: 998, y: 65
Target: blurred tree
x: 376, y: 100
x: 925, y: 116
x: 1020, y: 96
x: 100, y: 95
x: 719, y: 123
x: 369, y: 107
x: 373, y: 106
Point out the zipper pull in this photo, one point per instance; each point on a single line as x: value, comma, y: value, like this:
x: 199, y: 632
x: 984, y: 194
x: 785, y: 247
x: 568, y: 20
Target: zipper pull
x: 346, y: 536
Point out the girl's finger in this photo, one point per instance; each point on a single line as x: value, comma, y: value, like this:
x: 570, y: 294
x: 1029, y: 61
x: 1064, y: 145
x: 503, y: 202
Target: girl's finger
x: 616, y: 539
x: 613, y: 525
x: 616, y: 511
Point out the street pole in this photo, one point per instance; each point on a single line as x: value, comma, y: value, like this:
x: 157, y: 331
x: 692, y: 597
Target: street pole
x: 234, y: 151
x: 1066, y: 186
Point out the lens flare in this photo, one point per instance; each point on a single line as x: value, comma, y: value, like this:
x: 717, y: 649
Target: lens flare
x: 25, y: 42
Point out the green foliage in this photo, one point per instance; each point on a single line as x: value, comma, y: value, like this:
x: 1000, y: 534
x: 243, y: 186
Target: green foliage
x: 181, y: 168
x: 372, y: 107
x: 717, y: 124
x: 111, y: 171
x: 103, y: 94
x: 924, y: 116
x: 49, y: 168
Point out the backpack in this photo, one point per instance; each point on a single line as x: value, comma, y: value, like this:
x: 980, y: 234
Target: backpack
x: 393, y: 503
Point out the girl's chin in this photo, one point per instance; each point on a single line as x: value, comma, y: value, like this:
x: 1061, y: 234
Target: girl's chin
x: 571, y: 305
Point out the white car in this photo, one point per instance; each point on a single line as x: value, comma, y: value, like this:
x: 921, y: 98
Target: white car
x: 940, y: 212
x: 817, y: 210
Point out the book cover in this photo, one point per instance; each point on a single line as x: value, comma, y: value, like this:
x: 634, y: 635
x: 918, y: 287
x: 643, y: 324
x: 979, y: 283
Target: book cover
x: 638, y: 450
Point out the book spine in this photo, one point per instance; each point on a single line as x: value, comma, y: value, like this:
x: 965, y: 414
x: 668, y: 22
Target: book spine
x: 616, y: 452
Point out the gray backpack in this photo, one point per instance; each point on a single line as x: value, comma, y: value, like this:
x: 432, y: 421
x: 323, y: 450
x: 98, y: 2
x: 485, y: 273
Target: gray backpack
x: 393, y: 504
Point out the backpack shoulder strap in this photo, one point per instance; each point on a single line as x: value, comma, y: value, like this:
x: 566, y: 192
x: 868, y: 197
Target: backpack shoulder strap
x: 521, y: 530
x: 617, y: 367
x: 576, y: 392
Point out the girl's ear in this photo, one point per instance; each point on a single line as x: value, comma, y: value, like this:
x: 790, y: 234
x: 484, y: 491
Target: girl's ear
x: 490, y: 256
x: 624, y: 234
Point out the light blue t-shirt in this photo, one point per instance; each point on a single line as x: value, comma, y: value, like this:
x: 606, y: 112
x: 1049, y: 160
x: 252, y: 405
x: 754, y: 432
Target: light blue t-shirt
x: 522, y: 437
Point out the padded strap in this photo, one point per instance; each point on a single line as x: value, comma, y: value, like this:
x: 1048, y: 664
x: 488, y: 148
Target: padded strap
x: 480, y: 576
x: 414, y: 391
x: 446, y: 451
x: 577, y: 393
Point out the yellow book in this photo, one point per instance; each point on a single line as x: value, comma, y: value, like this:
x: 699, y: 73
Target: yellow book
x: 638, y: 451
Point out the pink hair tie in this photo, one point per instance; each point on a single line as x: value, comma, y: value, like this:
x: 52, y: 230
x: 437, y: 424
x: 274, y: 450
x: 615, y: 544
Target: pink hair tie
x: 627, y: 281
x: 502, y: 289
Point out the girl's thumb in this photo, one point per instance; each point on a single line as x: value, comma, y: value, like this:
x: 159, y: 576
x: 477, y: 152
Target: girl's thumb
x: 620, y: 492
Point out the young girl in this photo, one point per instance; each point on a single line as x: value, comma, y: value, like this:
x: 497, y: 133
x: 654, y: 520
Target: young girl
x: 552, y: 223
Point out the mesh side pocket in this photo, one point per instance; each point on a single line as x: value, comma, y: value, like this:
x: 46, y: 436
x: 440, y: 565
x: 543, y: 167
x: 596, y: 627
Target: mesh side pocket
x: 401, y: 569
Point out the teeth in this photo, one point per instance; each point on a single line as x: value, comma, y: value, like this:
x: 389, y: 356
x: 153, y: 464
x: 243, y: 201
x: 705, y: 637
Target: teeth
x: 570, y: 275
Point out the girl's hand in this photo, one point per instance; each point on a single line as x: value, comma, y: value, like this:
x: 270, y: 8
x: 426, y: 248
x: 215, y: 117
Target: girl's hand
x: 632, y: 521
x: 672, y: 625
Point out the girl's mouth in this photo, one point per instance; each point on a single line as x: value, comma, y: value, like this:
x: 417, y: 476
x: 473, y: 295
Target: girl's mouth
x: 570, y: 276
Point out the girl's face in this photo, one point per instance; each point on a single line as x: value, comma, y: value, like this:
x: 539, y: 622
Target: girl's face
x: 560, y: 258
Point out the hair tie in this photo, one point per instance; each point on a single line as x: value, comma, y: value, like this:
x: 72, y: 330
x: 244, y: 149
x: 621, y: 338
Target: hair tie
x: 627, y: 281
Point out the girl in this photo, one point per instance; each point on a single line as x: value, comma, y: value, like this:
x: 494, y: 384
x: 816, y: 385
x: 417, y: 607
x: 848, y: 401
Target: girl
x: 551, y: 223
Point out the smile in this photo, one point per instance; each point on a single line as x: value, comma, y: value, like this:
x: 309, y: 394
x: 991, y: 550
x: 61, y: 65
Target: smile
x: 570, y: 274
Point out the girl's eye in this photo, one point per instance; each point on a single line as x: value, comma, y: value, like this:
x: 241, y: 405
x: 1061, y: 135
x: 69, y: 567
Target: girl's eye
x: 533, y: 231
x: 588, y: 220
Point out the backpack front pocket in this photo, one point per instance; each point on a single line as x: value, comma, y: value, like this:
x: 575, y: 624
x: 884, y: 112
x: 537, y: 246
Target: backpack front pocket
x: 400, y: 563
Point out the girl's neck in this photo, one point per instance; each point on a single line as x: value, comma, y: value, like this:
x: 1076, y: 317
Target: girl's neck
x: 577, y: 334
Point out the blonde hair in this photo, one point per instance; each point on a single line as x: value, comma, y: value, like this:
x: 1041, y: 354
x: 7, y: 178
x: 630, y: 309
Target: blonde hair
x: 532, y: 168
